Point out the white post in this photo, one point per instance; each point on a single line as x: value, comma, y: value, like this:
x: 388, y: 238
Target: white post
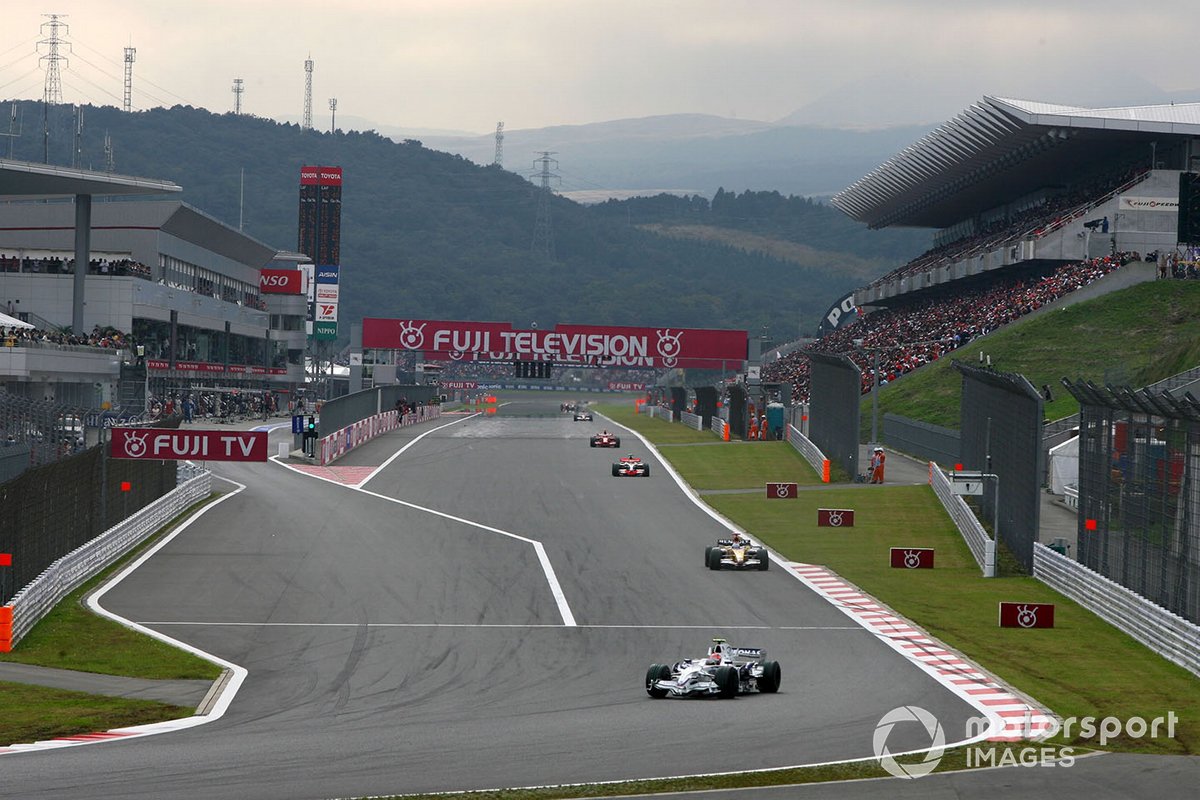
x: 284, y: 450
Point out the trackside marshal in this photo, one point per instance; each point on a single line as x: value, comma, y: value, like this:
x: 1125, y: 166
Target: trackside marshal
x: 195, y: 445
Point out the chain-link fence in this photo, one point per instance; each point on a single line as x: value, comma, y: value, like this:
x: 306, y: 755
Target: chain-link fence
x: 49, y: 510
x: 1002, y: 435
x: 835, y: 395
x: 41, y: 432
x: 1139, y: 492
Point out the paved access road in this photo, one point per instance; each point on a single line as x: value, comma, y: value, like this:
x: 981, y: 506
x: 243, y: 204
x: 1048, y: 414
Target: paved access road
x: 393, y: 650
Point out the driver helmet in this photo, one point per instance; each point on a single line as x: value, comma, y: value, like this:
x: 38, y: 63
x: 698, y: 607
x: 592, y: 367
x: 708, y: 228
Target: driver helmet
x: 737, y: 538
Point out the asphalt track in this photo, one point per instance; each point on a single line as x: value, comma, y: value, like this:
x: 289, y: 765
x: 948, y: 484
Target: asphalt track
x: 393, y: 650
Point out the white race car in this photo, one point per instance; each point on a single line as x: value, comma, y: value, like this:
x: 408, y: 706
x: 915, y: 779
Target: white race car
x: 725, y: 672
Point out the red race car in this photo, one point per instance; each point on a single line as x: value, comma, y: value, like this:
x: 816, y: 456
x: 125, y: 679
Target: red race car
x: 631, y: 466
x: 605, y: 439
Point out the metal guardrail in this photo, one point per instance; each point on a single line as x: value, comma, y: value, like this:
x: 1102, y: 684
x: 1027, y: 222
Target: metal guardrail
x: 1167, y: 634
x: 812, y: 454
x: 66, y: 574
x: 692, y: 420
x: 982, y: 546
x: 719, y: 426
x: 658, y: 412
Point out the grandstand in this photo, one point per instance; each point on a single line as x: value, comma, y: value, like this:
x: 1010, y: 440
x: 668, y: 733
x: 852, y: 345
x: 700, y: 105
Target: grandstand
x: 1032, y: 201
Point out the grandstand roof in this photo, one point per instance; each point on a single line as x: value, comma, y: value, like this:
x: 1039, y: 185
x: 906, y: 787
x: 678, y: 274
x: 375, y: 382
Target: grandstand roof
x: 1001, y: 149
x: 23, y: 179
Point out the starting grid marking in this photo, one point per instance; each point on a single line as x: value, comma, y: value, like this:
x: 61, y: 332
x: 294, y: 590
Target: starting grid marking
x: 1020, y: 719
x: 349, y: 476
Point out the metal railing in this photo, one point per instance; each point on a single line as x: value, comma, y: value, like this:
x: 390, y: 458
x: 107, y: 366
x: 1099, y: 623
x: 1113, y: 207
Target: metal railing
x: 812, y: 454
x: 719, y: 426
x: 982, y: 546
x: 692, y: 420
x: 1167, y: 634
x: 38, y: 597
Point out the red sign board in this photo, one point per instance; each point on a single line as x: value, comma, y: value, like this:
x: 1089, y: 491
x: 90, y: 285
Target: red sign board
x: 320, y: 176
x: 1026, y: 615
x: 5, y: 559
x: 205, y: 366
x: 626, y: 386
x: 835, y: 517
x: 459, y: 384
x: 153, y: 444
x: 782, y: 491
x: 583, y: 345
x: 281, y: 281
x: 912, y: 557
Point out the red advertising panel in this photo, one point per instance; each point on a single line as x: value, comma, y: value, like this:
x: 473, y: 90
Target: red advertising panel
x: 835, y: 517
x: 206, y: 366
x: 782, y: 491
x: 912, y: 557
x: 5, y: 559
x: 1026, y: 615
x: 162, y: 444
x: 459, y: 384
x: 320, y: 176
x: 626, y: 386
x: 585, y: 345
x: 281, y: 281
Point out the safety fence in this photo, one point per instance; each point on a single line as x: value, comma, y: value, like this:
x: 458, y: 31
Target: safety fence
x: 812, y: 454
x: 982, y: 546
x: 1167, y: 634
x: 658, y: 412
x: 720, y: 427
x: 691, y: 420
x: 67, y: 573
x: 337, y: 444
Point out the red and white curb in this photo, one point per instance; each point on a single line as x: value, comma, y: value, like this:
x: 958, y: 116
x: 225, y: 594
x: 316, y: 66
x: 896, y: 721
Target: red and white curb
x: 1014, y: 719
x: 349, y: 476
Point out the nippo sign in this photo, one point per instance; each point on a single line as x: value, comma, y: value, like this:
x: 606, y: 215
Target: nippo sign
x: 155, y: 444
x: 1026, y: 615
x: 583, y: 345
x: 912, y: 557
x: 281, y: 281
x: 782, y: 491
x: 835, y: 517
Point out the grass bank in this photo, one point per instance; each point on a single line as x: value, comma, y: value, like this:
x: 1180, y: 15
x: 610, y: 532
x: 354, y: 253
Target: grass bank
x: 1082, y: 667
x: 37, y: 713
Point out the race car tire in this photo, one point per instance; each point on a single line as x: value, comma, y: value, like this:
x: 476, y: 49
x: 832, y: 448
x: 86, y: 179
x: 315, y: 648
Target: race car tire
x: 769, y: 682
x: 616, y: 471
x: 617, y: 442
x: 657, y: 672
x: 726, y: 679
x: 714, y: 558
x: 646, y: 471
x: 707, y: 553
x: 764, y: 561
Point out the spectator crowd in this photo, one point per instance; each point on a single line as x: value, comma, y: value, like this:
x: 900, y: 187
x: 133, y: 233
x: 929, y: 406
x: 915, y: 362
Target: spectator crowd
x: 907, y: 336
x: 34, y: 337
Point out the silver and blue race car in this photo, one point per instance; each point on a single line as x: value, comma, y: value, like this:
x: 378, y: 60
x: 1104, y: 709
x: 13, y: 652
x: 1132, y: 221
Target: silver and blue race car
x: 725, y: 672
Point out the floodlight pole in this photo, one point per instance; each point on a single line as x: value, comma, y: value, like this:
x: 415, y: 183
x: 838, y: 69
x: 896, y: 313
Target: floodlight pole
x: 874, y: 396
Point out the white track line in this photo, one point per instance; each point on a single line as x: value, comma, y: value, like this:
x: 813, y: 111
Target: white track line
x: 560, y: 599
x: 237, y: 674
x: 244, y: 624
x: 415, y: 439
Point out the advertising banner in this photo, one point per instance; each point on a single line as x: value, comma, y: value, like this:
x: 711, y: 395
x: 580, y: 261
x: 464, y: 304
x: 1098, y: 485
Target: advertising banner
x: 585, y: 345
x: 324, y: 331
x: 327, y: 292
x: 1148, y: 204
x: 459, y: 384
x: 1026, y: 615
x: 158, y: 444
x: 281, y: 281
x: 156, y: 364
x: 327, y: 273
x: 835, y: 517
x: 912, y: 557
x: 782, y: 491
x: 326, y: 312
x: 626, y: 386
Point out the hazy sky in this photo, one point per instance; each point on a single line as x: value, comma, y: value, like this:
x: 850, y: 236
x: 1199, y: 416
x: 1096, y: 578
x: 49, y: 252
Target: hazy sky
x: 465, y: 64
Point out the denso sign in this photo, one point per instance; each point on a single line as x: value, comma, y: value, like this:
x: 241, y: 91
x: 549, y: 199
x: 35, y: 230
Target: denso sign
x: 281, y: 281
x: 194, y: 445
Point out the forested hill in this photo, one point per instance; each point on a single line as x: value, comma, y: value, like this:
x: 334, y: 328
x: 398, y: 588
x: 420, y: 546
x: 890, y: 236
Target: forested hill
x: 431, y: 235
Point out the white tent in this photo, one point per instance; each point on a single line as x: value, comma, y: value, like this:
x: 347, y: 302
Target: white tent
x: 12, y: 322
x: 1064, y: 465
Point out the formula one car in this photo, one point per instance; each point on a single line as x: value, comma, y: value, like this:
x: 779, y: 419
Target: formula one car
x: 583, y: 415
x: 725, y: 672
x: 736, y: 553
x: 605, y: 439
x: 631, y: 466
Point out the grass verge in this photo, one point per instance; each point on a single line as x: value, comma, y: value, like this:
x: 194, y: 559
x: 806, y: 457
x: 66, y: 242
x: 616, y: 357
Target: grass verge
x: 658, y: 431
x: 36, y: 713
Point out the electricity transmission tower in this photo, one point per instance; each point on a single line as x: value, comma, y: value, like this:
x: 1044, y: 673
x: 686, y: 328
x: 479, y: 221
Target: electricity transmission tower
x: 130, y: 53
x: 543, y: 229
x: 333, y: 115
x: 52, y: 95
x: 238, y: 87
x: 499, y: 159
x: 306, y: 122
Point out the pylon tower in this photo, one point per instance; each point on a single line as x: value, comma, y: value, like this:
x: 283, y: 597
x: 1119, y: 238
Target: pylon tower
x: 130, y: 54
x: 55, y: 47
x: 239, y: 86
x: 543, y: 228
x: 499, y: 159
x: 306, y: 121
x: 333, y: 115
